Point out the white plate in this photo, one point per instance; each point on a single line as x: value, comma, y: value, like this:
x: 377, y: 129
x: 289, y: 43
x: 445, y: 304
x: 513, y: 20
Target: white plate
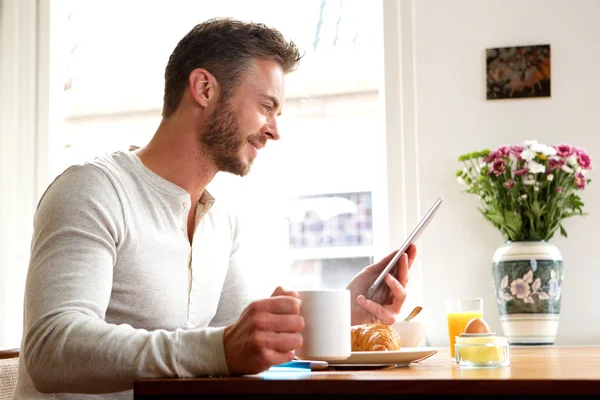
x: 400, y: 358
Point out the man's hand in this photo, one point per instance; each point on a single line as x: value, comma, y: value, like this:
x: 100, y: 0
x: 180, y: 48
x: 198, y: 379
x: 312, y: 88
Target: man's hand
x: 266, y: 334
x: 387, y: 309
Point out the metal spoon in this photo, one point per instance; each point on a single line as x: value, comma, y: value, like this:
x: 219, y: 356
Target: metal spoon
x: 413, y: 313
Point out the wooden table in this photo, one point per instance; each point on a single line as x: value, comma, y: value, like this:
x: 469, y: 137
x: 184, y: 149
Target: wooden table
x: 544, y: 370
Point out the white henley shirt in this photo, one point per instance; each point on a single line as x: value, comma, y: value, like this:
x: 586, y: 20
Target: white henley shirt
x: 115, y: 292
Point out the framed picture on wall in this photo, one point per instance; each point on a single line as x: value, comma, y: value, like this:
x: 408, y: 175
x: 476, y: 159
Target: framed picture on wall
x: 518, y: 72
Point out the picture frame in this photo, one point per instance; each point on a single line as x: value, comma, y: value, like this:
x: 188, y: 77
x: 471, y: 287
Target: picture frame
x: 518, y: 72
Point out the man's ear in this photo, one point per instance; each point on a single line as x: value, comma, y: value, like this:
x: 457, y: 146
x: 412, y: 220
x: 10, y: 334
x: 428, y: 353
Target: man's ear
x: 203, y: 87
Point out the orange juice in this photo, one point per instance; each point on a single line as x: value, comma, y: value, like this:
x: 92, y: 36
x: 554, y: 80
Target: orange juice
x: 457, y: 322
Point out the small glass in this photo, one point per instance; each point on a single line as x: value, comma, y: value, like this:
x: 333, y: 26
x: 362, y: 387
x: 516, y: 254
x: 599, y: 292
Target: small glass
x: 459, y: 312
x: 482, y: 351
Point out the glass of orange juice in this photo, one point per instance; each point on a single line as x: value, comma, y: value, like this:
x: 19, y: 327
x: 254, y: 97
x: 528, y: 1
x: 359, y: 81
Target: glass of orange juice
x: 459, y: 312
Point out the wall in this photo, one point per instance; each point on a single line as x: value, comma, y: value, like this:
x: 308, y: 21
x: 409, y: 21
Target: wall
x: 450, y: 39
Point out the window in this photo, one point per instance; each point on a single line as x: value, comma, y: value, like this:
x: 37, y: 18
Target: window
x: 314, y: 190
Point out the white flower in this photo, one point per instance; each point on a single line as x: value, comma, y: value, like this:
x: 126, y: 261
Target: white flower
x: 572, y: 160
x: 529, y: 143
x: 460, y: 180
x: 528, y: 180
x: 524, y: 195
x: 527, y: 155
x: 543, y: 149
x: 550, y: 177
x: 535, y: 167
x: 567, y: 169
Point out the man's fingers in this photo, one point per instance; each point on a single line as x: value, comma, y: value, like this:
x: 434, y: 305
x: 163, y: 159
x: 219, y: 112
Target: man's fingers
x: 274, y: 357
x: 398, y: 292
x: 378, y: 267
x: 386, y: 314
x: 380, y: 312
x: 281, y: 342
x: 276, y: 305
x: 398, y: 295
x: 279, y: 291
x: 411, y: 252
x: 279, y: 322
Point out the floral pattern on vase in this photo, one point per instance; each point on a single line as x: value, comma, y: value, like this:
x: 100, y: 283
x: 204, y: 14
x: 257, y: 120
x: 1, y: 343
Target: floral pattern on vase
x: 527, y: 280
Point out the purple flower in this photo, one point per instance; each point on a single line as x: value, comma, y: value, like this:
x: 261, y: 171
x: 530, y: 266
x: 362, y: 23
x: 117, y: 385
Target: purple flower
x: 499, y: 166
x: 564, y: 150
x: 579, y: 180
x: 509, y: 184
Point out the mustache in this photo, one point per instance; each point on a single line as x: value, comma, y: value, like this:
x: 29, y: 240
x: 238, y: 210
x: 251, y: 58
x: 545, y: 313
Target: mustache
x: 258, y: 138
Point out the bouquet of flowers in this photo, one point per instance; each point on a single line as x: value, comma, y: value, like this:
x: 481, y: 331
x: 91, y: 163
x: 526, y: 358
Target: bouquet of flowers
x: 526, y: 191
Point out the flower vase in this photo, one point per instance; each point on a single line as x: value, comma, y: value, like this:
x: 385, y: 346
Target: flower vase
x: 527, y: 280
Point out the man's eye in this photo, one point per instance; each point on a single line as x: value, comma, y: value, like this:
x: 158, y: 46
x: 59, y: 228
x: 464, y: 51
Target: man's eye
x: 267, y: 107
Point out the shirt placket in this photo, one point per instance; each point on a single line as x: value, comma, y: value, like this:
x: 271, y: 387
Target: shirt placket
x: 191, y: 309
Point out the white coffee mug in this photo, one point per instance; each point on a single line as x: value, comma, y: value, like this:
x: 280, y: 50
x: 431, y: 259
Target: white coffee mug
x: 326, y: 335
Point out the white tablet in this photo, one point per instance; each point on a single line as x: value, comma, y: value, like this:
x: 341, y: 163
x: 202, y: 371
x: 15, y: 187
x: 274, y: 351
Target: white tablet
x: 374, y: 293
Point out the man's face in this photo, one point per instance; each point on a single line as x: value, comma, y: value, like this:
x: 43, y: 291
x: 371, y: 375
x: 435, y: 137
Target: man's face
x: 242, y: 124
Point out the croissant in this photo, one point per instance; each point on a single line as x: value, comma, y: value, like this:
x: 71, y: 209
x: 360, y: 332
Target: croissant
x: 375, y: 337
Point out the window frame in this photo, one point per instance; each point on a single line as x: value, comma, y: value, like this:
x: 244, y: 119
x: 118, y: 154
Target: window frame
x: 29, y: 76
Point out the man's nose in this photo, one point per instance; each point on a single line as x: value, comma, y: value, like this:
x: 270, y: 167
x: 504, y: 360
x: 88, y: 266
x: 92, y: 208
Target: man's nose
x: 272, y: 131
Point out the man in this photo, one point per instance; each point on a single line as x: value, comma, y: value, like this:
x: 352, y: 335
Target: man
x: 137, y: 272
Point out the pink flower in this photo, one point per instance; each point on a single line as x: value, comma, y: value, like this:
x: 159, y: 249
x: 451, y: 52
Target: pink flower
x: 516, y: 151
x: 521, y: 172
x: 499, y: 166
x: 564, y: 150
x: 555, y: 163
x: 583, y: 159
x: 509, y: 184
x: 559, y: 189
x: 579, y: 180
x: 498, y: 154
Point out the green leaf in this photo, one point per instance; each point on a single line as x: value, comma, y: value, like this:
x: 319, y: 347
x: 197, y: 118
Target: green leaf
x: 562, y: 231
x: 514, y: 222
x: 535, y: 207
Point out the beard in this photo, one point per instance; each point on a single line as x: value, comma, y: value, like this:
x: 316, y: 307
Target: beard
x: 224, y: 141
